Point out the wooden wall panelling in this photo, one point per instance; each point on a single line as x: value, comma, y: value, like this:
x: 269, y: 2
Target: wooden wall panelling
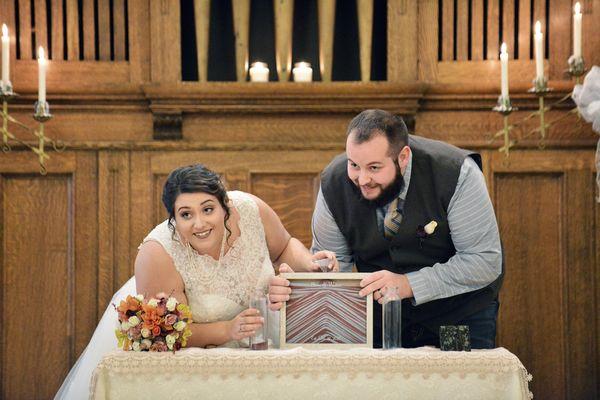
x: 114, y: 263
x: 561, y: 38
x: 447, y: 30
x: 104, y: 30
x: 291, y: 196
x: 7, y: 10
x: 89, y: 34
x: 546, y: 259
x: 139, y: 46
x: 25, y: 30
x: 476, y: 33
x: 539, y: 14
x: 493, y: 33
x: 41, y: 26
x: 508, y: 26
x: 402, y: 43
x: 142, y: 211
x: 590, y: 40
x: 525, y: 30
x: 462, y: 30
x: 427, y: 40
x: 57, y: 51
x: 582, y: 335
x: 119, y: 23
x: 48, y: 259
x: 72, y: 30
x: 165, y: 37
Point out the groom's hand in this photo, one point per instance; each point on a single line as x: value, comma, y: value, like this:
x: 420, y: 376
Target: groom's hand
x: 279, y: 290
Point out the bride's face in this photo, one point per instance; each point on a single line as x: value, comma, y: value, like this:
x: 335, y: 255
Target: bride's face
x: 200, y: 221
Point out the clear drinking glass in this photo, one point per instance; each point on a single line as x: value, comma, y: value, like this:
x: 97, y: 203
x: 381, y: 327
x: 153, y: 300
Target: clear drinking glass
x: 392, y: 319
x: 258, y: 300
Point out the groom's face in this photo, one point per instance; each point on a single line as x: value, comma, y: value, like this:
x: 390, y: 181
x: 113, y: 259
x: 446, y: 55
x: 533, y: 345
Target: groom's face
x: 372, y: 169
x: 200, y: 220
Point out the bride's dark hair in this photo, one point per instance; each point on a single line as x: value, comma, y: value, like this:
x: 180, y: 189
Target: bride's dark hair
x: 194, y: 178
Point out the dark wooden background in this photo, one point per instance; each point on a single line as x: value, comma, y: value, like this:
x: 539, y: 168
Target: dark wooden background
x: 69, y: 238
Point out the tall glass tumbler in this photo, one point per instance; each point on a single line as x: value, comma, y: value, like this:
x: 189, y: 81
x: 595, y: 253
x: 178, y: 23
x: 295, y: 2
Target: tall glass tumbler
x: 258, y: 300
x: 392, y: 319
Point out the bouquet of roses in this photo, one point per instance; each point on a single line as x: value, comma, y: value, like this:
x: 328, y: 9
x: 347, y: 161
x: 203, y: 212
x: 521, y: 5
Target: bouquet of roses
x: 157, y: 324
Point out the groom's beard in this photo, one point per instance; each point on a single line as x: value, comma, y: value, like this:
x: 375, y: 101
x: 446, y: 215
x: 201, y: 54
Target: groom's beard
x: 388, y: 193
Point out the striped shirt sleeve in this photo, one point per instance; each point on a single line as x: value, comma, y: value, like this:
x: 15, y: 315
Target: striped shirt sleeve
x: 474, y: 232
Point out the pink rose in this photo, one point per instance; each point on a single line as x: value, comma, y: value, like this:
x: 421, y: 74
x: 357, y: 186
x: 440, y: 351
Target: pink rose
x: 170, y: 319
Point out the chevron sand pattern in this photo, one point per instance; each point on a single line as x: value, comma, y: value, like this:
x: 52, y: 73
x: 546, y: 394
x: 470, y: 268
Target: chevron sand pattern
x: 324, y: 312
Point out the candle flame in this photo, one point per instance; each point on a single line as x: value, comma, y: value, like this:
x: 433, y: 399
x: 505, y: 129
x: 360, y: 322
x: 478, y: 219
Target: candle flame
x: 4, y: 31
x: 538, y: 27
x: 577, y: 8
x: 503, y: 48
x: 41, y: 55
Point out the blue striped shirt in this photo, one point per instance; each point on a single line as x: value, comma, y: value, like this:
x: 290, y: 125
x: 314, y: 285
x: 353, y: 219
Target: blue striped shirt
x: 473, y: 229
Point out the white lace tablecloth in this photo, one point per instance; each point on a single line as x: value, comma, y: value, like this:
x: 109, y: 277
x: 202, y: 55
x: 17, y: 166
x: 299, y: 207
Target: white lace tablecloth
x: 423, y: 373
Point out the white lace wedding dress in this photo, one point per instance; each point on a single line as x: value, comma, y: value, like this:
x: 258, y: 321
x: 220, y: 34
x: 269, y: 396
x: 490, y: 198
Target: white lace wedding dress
x: 216, y: 290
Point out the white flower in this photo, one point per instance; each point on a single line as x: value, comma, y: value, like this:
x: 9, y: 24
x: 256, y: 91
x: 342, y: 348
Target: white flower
x: 136, y: 346
x: 146, y: 343
x: 145, y: 332
x: 179, y: 325
x: 133, y: 321
x: 170, y: 346
x: 170, y: 339
x: 171, y: 303
x: 125, y: 326
x: 140, y: 297
x: 153, y: 303
x: 430, y: 227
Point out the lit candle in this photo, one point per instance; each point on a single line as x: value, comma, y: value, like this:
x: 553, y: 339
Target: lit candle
x: 259, y: 72
x: 41, y: 75
x: 5, y: 55
x: 539, y: 51
x: 504, y: 69
x: 577, y: 31
x: 302, y: 72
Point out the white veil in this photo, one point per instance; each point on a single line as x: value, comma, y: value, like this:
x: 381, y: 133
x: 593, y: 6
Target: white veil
x: 77, y: 383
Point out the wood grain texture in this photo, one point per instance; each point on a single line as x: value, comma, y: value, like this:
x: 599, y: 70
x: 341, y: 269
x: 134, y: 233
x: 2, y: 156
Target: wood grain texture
x: 462, y: 30
x: 532, y: 314
x: 241, y: 26
x: 119, y: 29
x: 447, y: 30
x: 34, y: 278
x: 139, y: 45
x: 477, y: 18
x: 89, y: 31
x: 326, y: 28
x: 284, y: 16
x: 41, y: 25
x: 508, y: 26
x: 525, y: 30
x: 493, y: 31
x: 560, y: 22
x: 115, y: 265
x: 427, y: 40
x: 365, y: 37
x: 72, y: 28
x: 104, y: 30
x: 58, y: 31
x: 403, y: 41
x: 25, y: 44
x: 296, y: 211
x: 202, y: 20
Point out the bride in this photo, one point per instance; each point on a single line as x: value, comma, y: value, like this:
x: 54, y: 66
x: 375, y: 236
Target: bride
x: 212, y: 252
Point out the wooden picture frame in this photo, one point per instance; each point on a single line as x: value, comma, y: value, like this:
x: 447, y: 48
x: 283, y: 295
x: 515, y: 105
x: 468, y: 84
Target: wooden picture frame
x: 325, y: 311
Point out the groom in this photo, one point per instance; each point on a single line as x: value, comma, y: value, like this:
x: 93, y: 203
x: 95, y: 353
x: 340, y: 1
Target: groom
x: 416, y: 214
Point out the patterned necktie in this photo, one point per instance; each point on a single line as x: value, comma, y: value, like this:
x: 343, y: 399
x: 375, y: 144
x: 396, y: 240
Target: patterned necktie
x: 391, y: 223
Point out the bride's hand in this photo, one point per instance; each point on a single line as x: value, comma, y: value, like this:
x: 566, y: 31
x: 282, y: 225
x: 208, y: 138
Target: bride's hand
x: 327, y: 257
x: 245, y: 324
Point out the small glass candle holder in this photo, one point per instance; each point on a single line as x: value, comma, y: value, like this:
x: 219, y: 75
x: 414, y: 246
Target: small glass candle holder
x: 302, y: 72
x: 259, y: 72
